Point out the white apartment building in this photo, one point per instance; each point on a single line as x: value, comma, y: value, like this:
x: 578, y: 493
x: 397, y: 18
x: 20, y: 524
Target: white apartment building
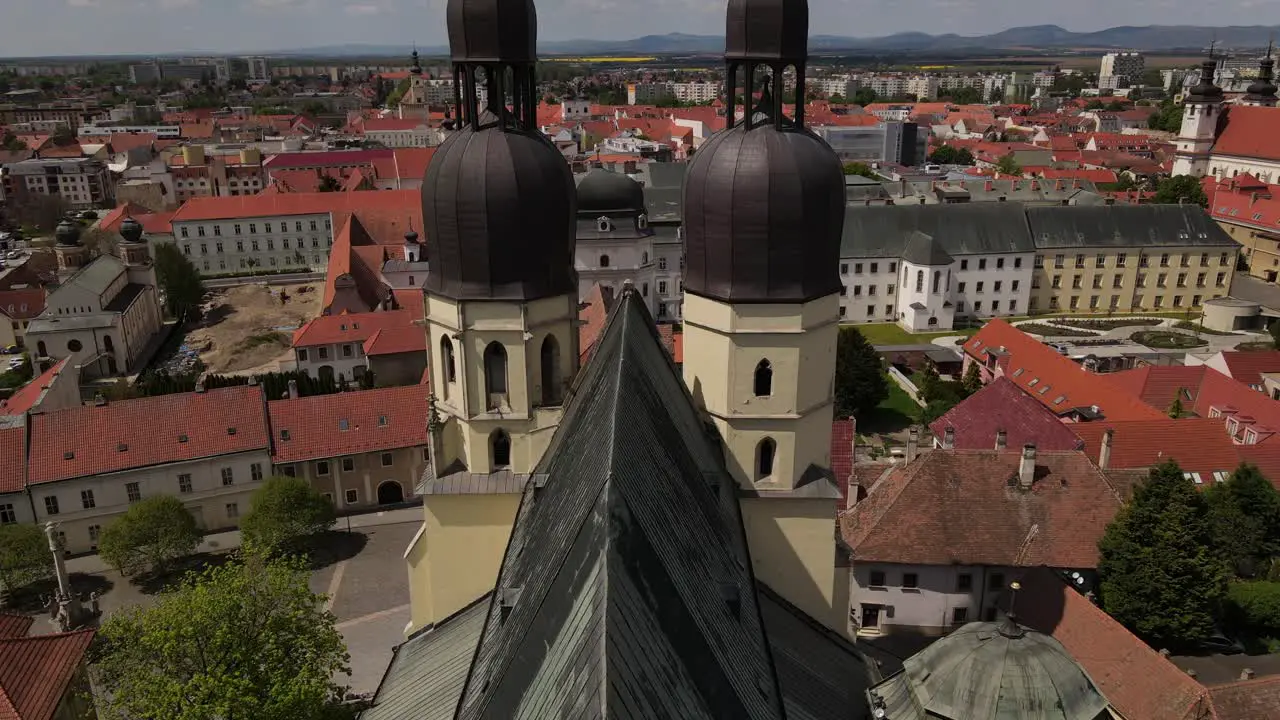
x: 1120, y: 70
x: 832, y: 86
x: 258, y: 71
x: 955, y: 82
x: 647, y: 93
x: 923, y: 87
x: 82, y: 183
x: 255, y: 241
x: 696, y: 92
x: 884, y: 86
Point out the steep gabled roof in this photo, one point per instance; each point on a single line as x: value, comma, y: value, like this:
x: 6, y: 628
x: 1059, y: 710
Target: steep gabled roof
x: 36, y: 672
x: 1250, y: 132
x: 326, y: 426
x: 1002, y: 405
x: 626, y: 590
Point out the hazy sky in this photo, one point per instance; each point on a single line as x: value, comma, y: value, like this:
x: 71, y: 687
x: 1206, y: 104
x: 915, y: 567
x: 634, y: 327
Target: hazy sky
x: 52, y: 27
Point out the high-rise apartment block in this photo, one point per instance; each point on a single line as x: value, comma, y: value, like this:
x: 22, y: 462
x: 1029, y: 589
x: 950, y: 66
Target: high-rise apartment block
x: 1120, y: 70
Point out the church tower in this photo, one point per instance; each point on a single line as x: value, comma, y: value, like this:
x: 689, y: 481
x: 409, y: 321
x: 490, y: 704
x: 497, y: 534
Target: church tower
x: 1201, y: 112
x: 764, y: 211
x: 1262, y: 93
x: 498, y: 207
x: 413, y: 104
x: 70, y: 252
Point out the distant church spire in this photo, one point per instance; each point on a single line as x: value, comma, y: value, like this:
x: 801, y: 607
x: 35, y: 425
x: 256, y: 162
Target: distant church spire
x: 1263, y: 90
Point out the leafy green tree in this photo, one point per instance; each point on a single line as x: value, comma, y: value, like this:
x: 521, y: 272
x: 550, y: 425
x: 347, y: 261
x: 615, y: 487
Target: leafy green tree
x: 1244, y: 514
x: 972, y: 380
x: 179, y: 279
x: 1181, y: 189
x: 864, y: 96
x: 245, y: 640
x: 285, y: 510
x: 965, y: 96
x: 151, y: 534
x: 1008, y: 165
x: 929, y: 382
x: 1168, y: 119
x: 1175, y: 410
x: 863, y: 169
x: 24, y: 556
x: 1161, y: 576
x: 1253, y: 607
x: 328, y: 183
x: 860, y: 380
x: 948, y: 155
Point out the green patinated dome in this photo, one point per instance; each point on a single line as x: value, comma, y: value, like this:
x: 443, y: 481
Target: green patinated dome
x: 995, y: 671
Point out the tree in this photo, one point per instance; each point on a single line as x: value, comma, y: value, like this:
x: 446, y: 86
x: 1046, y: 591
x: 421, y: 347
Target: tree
x: 948, y: 155
x: 1253, y: 608
x: 972, y: 380
x: 1161, y: 576
x: 328, y: 183
x: 99, y: 241
x: 24, y: 556
x: 929, y: 383
x: 151, y: 534
x: 1244, y: 515
x: 965, y: 96
x: 1175, y: 410
x: 245, y: 640
x: 860, y: 381
x: 1181, y: 189
x: 284, y: 510
x: 863, y: 169
x: 1008, y: 165
x: 1168, y: 119
x: 178, y: 279
x: 864, y: 96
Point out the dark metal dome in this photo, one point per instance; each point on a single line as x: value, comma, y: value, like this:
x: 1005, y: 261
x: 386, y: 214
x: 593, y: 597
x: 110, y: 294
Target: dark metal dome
x: 763, y: 215
x: 1264, y: 88
x: 492, y: 30
x: 67, y: 234
x: 499, y: 216
x: 767, y: 30
x: 603, y: 191
x: 1206, y: 91
x: 131, y: 230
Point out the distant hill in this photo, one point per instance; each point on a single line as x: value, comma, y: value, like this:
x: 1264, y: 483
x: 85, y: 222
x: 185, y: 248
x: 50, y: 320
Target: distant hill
x: 1036, y: 37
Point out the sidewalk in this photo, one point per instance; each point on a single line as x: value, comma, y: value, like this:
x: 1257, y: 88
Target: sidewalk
x: 229, y: 540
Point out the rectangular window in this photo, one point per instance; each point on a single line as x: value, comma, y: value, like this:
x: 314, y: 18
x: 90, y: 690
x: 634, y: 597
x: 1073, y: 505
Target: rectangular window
x: 1038, y: 262
x: 8, y: 515
x: 86, y: 499
x: 996, y: 286
x: 1017, y: 263
x: 50, y: 504
x: 1100, y: 261
x: 233, y: 511
x: 184, y: 232
x: 200, y: 230
x: 94, y: 532
x: 254, y: 244
x: 255, y: 472
x: 982, y: 263
x: 1182, y: 279
x: 236, y: 228
x: 134, y: 491
x: 871, y: 290
x: 1222, y: 260
x: 266, y: 227
x: 387, y: 459
x: 1200, y: 279
x: 218, y: 246
x: 322, y: 468
x: 184, y: 483
x: 871, y: 310
x: 217, y: 230
x: 348, y: 464
x: 844, y: 268
x: 228, y: 476
x: 977, y: 307
x: 893, y: 267
x: 1097, y: 282
x: 978, y: 287
x: 353, y: 496
x: 1013, y: 305
x: 995, y: 306
x: 313, y: 226
x: 1164, y: 259
x: 876, y: 578
x: 1056, y: 282
x: 964, y: 264
x: 875, y: 268
x: 324, y: 353
x: 889, y: 290
x: 1120, y: 258
x: 1076, y: 282
x: 1177, y: 301
x: 1161, y: 280
x: 253, y: 228
x: 1079, y: 261
x: 1115, y: 302
x: 1059, y: 261
x: 959, y: 615
x: 1075, y: 302
x: 347, y: 351
x: 910, y: 580
x: 1093, y: 302
x: 960, y: 287
x: 857, y: 268
x: 302, y: 355
x: 999, y: 263
x: 1186, y: 260
x: 662, y: 287
x: 1220, y: 280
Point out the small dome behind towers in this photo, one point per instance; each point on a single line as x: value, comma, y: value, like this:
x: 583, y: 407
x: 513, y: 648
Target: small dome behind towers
x: 131, y: 231
x: 604, y: 191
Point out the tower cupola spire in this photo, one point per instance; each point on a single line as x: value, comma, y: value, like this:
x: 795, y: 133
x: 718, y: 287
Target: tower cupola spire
x: 1263, y: 90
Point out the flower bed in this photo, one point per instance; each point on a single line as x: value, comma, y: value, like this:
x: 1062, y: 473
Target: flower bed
x: 1110, y: 324
x: 1050, y: 331
x: 1167, y: 340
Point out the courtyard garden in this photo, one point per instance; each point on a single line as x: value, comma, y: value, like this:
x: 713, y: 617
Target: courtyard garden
x: 1164, y: 340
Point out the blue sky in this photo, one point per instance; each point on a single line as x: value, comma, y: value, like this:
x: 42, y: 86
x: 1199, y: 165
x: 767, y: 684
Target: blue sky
x: 52, y: 27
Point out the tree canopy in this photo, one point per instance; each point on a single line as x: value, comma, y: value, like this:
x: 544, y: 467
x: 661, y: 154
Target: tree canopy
x: 1008, y: 165
x: 1161, y: 575
x: 152, y: 533
x: 860, y: 381
x: 178, y: 279
x: 247, y: 640
x: 948, y: 155
x: 328, y: 183
x: 285, y: 510
x: 24, y: 555
x: 1169, y: 118
x: 863, y: 169
x: 1244, y: 516
x: 1181, y: 189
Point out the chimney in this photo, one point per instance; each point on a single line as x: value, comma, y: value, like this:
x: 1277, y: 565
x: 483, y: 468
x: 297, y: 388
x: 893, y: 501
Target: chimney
x: 1035, y: 185
x: 949, y: 438
x: 1246, y: 674
x: 293, y: 389
x: 1057, y: 185
x: 1027, y: 467
x: 1104, y: 454
x: 1002, y: 440
x: 988, y: 185
x: 913, y: 443
x: 200, y: 386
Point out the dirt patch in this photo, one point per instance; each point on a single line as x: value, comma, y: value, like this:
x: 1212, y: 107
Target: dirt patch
x: 248, y: 328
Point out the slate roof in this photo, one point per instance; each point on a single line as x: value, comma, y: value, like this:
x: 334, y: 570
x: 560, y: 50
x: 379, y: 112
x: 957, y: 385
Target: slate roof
x: 965, y: 229
x: 375, y: 420
x: 964, y: 506
x: 90, y: 440
x: 1125, y: 226
x: 626, y: 590
x: 1002, y: 405
x: 424, y: 679
x: 35, y: 673
x: 922, y: 249
x: 97, y: 276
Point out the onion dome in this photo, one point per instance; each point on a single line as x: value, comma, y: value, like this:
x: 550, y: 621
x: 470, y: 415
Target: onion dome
x: 67, y: 234
x: 411, y: 237
x: 416, y: 67
x: 492, y: 30
x: 131, y: 230
x: 1263, y: 90
x: 766, y: 29
x: 1206, y: 91
x: 602, y: 191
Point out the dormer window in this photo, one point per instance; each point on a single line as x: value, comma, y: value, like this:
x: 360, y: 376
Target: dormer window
x: 603, y: 224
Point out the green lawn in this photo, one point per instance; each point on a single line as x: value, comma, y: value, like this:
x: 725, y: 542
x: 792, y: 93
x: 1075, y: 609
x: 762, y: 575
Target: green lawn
x: 893, y: 334
x: 897, y: 412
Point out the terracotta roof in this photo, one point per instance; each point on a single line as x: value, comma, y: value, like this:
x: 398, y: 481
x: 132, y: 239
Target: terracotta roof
x: 1247, y: 367
x: 90, y: 440
x: 13, y: 458
x: 842, y: 456
x: 1244, y: 203
x: 412, y: 301
x: 22, y: 304
x: 1158, y: 386
x: 1135, y: 679
x: 13, y: 625
x: 964, y: 506
x: 331, y: 158
x: 124, y: 142
x: 1054, y: 380
x: 1199, y: 445
x: 592, y: 318
x: 1002, y: 405
x: 28, y: 396
x: 1257, y: 699
x: 350, y: 269
x: 1250, y: 132
x: 313, y: 427
x: 391, y: 341
x: 36, y: 672
x: 349, y: 327
x: 405, y: 202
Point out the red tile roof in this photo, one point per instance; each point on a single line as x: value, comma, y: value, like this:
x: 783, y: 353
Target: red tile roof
x: 124, y: 142
x: 1159, y: 386
x: 36, y: 672
x: 592, y: 318
x: 843, y: 433
x: 1250, y: 132
x: 1257, y: 699
x: 22, y: 304
x: 407, y: 203
x: 1247, y: 367
x: 13, y: 625
x: 349, y: 327
x: 392, y: 341
x: 1135, y: 679
x: 1199, y: 445
x: 1001, y: 405
x: 412, y: 301
x: 90, y: 440
x: 1051, y: 378
x: 29, y: 395
x: 375, y: 420
x: 964, y: 506
x: 332, y: 158
x: 13, y: 458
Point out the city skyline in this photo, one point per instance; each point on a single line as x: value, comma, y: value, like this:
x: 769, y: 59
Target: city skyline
x: 139, y: 27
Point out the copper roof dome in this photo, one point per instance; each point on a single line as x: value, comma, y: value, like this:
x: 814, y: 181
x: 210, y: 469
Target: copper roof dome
x: 67, y: 234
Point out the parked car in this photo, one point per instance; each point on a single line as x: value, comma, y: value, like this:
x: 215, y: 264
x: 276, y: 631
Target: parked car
x: 1221, y: 645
